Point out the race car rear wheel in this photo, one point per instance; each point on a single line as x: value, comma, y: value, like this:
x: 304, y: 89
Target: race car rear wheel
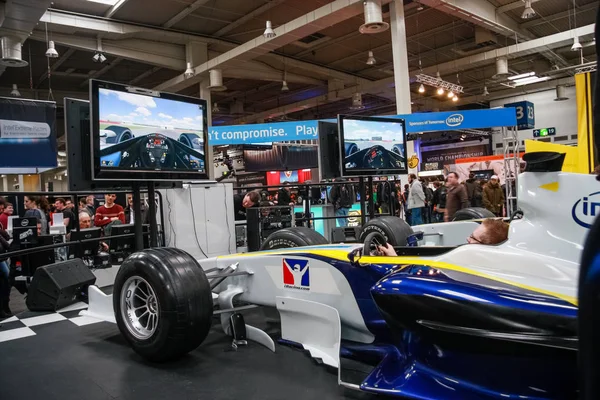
x: 471, y: 213
x: 121, y: 134
x: 293, y: 237
x: 395, y: 230
x: 163, y: 303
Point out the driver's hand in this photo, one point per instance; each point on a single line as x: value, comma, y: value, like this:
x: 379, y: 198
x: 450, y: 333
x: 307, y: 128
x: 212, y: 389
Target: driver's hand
x: 386, y: 250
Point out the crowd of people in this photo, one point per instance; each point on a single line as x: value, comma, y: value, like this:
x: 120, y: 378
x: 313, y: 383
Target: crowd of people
x: 88, y: 213
x: 439, y: 201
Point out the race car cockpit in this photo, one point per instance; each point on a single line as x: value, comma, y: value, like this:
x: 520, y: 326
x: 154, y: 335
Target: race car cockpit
x: 154, y: 151
x: 375, y: 157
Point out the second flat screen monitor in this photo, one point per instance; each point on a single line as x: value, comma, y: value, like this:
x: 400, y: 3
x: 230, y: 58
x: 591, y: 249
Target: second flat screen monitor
x: 372, y: 146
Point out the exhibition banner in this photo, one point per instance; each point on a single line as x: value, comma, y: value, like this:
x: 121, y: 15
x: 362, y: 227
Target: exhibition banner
x: 27, y: 133
x: 308, y: 130
x: 435, y: 157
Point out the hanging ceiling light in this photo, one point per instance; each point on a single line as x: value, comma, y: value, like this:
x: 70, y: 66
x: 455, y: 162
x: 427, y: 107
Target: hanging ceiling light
x: 216, y: 81
x: 501, y: 68
x: 450, y: 94
x: 421, y: 88
x: 455, y: 98
x: 371, y: 59
x: 529, y: 12
x: 284, y: 86
x: 560, y: 93
x: 420, y: 6
x: 357, y: 103
x: 189, y: 72
x: 15, y: 91
x: 216, y: 108
x: 269, y: 32
x: 576, y: 45
x: 440, y: 91
x: 51, y: 52
x: 99, y: 57
x: 485, y: 91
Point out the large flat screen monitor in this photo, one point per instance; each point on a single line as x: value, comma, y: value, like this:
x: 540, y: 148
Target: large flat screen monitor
x: 372, y: 146
x: 140, y: 134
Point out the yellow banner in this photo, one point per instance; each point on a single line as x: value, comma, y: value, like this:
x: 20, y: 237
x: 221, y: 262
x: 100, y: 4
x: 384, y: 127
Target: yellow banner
x: 585, y: 130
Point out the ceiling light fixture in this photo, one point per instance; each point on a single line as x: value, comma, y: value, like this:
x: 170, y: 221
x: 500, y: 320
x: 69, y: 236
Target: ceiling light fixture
x: 440, y: 91
x: 269, y: 32
x: 189, y: 72
x: 216, y: 108
x: 51, y: 52
x: 216, y: 81
x: 357, y: 103
x: 576, y: 45
x: 521, y: 76
x: 284, y: 86
x: 530, y: 80
x: 421, y: 88
x: 455, y: 98
x: 560, y: 93
x: 371, y: 60
x: 485, y: 91
x: 99, y: 57
x: 420, y: 6
x: 501, y: 68
x: 450, y: 94
x: 438, y: 83
x: 15, y: 91
x: 529, y: 12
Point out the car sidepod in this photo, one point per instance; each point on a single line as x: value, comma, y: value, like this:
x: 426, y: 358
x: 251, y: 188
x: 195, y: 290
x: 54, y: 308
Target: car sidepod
x: 463, y: 336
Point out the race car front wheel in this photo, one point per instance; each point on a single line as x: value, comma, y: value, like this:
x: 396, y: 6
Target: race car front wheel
x: 393, y: 229
x: 163, y: 303
x: 471, y: 213
x: 293, y: 237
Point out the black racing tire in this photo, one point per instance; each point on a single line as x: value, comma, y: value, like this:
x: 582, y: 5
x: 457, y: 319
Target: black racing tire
x: 183, y: 299
x: 122, y: 134
x: 395, y: 230
x: 293, y: 237
x: 471, y: 213
x: 188, y: 140
x: 350, y: 148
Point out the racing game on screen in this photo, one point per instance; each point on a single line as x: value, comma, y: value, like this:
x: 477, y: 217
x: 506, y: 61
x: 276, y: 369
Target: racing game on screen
x: 372, y: 146
x: 141, y: 132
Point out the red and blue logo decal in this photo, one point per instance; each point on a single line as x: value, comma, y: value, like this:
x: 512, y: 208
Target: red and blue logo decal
x: 296, y: 274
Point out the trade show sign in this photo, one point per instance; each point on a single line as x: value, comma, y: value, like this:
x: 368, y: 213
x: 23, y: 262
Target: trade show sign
x: 27, y: 133
x: 308, y: 130
x: 525, y: 114
x: 435, y: 157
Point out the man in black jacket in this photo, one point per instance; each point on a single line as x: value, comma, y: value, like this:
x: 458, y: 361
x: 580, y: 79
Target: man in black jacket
x: 243, y: 201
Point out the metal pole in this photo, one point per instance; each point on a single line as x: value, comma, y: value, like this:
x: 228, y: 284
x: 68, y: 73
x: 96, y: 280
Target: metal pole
x: 361, y: 189
x: 152, y: 217
x: 371, y: 201
x: 137, y: 214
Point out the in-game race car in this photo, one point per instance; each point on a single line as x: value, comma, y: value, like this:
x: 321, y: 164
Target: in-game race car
x: 442, y: 320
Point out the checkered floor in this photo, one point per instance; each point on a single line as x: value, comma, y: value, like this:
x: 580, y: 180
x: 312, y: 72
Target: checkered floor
x: 24, y: 324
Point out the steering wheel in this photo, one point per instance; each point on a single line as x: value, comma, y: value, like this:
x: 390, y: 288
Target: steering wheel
x: 376, y: 157
x: 373, y: 240
x: 157, y: 151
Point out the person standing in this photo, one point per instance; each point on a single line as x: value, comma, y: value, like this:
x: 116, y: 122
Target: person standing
x: 342, y: 198
x: 493, y: 196
x: 68, y: 217
x: 416, y: 200
x: 109, y: 214
x: 32, y: 204
x: 471, y: 184
x: 439, y: 201
x: 456, y: 196
x: 8, y: 211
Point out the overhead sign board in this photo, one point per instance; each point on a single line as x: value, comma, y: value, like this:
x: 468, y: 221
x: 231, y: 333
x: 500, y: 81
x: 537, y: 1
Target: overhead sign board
x: 543, y: 132
x: 308, y: 130
x: 525, y: 114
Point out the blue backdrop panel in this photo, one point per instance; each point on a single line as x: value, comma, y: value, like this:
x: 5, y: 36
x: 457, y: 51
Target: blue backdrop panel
x: 27, y: 134
x: 308, y: 130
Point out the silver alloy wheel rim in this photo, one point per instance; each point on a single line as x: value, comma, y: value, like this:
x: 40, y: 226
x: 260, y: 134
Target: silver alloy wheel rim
x: 139, y: 307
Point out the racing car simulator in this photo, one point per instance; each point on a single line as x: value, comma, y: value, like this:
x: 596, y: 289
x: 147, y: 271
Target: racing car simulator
x: 455, y: 321
x: 152, y: 151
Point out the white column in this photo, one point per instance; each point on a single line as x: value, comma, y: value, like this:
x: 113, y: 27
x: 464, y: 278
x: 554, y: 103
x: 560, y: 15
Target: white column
x: 401, y: 75
x: 205, y: 94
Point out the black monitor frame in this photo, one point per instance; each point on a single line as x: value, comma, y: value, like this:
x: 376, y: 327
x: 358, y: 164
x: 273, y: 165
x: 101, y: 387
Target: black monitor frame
x: 115, y: 174
x: 353, y: 172
x: 329, y: 150
x: 79, y: 250
x: 126, y: 244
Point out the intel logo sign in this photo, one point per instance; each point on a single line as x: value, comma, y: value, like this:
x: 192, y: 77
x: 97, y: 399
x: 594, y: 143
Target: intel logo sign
x: 586, y: 209
x: 455, y: 120
x: 24, y: 223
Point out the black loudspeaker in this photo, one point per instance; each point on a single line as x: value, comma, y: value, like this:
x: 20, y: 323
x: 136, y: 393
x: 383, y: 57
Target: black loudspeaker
x: 58, y: 285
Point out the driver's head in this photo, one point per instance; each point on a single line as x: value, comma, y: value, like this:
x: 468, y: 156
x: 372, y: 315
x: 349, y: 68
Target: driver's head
x: 491, y: 231
x: 250, y: 199
x: 452, y: 179
x: 110, y: 199
x: 411, y: 178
